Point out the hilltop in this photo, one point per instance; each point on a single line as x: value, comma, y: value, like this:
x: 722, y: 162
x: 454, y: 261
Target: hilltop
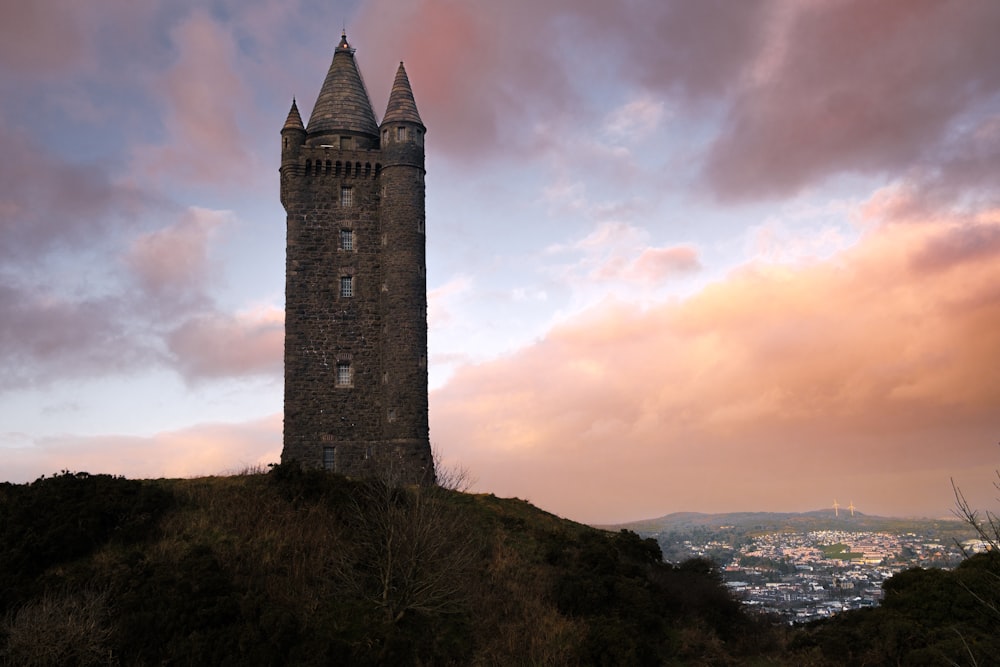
x: 308, y: 568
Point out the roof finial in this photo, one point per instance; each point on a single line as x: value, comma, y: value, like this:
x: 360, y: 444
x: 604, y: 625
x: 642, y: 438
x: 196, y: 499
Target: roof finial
x: 344, y: 46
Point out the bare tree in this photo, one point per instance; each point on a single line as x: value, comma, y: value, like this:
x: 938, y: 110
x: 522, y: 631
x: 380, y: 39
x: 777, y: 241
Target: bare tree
x: 411, y: 551
x: 453, y: 478
x: 985, y: 523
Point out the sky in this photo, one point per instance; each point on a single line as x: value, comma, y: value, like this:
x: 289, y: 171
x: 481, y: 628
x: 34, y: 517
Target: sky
x: 682, y: 256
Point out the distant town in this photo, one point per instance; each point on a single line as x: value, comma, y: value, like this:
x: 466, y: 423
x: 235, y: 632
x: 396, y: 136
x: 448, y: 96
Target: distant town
x: 804, y: 567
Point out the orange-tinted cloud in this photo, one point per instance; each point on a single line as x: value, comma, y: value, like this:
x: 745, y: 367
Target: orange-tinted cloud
x: 773, y: 389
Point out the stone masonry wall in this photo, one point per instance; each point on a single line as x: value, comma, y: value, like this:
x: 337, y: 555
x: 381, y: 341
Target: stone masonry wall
x: 380, y: 418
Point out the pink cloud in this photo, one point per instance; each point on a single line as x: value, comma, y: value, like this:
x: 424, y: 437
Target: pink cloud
x: 203, y: 99
x: 219, y: 345
x: 522, y: 62
x: 773, y: 389
x: 204, y: 449
x: 172, y: 263
x: 857, y: 87
x: 655, y: 265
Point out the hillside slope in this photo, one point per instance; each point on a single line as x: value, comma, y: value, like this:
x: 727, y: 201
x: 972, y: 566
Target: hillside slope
x: 298, y: 567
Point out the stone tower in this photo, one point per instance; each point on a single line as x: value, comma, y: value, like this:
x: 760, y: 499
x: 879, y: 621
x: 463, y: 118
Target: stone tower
x: 355, y: 281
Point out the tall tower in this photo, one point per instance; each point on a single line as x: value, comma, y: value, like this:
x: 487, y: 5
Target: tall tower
x: 355, y: 281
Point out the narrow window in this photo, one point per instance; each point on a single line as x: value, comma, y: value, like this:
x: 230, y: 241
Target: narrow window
x: 385, y: 136
x: 400, y: 134
x: 329, y: 458
x: 343, y: 374
x: 421, y: 226
x: 346, y: 197
x: 347, y: 286
x: 347, y: 239
x: 392, y: 414
x: 346, y: 144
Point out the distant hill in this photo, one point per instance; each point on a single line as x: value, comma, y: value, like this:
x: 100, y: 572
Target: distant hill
x: 825, y: 519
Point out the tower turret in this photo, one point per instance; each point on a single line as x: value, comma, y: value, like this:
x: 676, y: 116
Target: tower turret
x: 404, y: 304
x: 343, y: 115
x: 293, y: 135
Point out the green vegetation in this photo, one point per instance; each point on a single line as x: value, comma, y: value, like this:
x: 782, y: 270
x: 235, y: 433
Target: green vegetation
x: 305, y: 568
x: 839, y: 552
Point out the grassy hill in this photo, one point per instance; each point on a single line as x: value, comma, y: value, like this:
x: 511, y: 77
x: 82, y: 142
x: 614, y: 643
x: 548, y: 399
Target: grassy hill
x: 306, y: 568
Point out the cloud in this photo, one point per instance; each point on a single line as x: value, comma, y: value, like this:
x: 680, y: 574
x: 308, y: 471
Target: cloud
x: 42, y: 37
x: 171, y: 264
x: 521, y: 62
x: 59, y: 39
x: 45, y: 335
x: 635, y: 120
x: 48, y: 203
x: 203, y: 100
x: 805, y: 91
x: 761, y: 390
x: 218, y: 345
x: 203, y: 449
x: 856, y: 88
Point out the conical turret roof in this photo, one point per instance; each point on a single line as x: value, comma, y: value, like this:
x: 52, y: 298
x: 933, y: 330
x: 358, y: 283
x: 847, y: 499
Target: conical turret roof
x: 343, y: 103
x: 401, y: 107
x: 294, y: 120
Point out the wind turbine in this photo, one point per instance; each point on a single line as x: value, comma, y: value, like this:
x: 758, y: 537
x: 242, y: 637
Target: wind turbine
x: 836, y: 508
x: 851, y: 507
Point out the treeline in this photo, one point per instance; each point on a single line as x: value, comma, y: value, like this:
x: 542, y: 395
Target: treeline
x: 301, y: 567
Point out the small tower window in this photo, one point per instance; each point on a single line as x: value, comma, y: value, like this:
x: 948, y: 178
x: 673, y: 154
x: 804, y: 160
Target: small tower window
x: 346, y: 144
x: 385, y: 136
x: 392, y: 414
x: 400, y: 134
x: 346, y: 197
x: 421, y: 226
x: 346, y: 286
x: 329, y: 458
x: 344, y: 375
x: 347, y: 239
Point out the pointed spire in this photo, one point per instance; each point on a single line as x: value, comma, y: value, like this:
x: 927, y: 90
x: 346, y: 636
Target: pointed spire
x: 401, y: 107
x: 294, y: 120
x: 343, y: 103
